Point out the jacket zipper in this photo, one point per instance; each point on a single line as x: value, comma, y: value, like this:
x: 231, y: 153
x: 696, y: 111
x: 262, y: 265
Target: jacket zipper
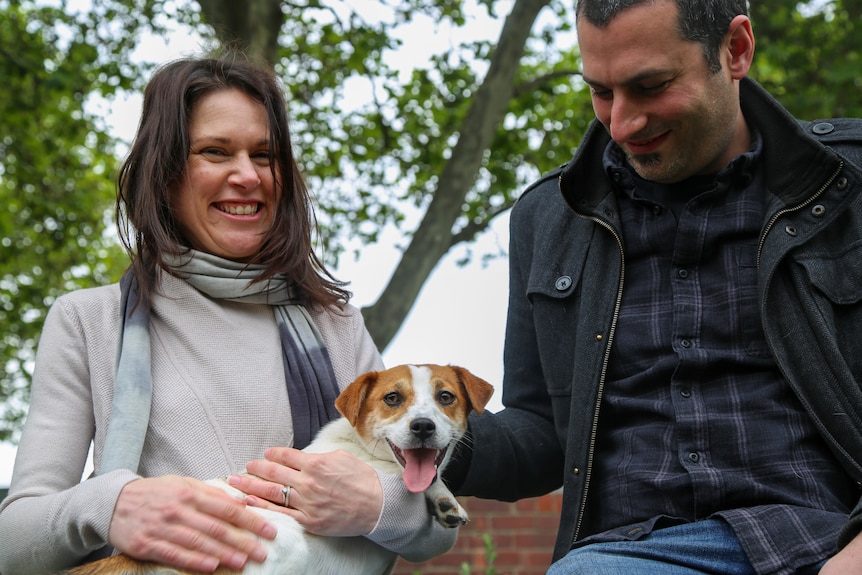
x: 605, y: 360
x: 805, y: 404
x: 784, y: 211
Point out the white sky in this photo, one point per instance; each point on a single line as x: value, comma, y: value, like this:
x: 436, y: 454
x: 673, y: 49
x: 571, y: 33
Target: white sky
x: 459, y: 317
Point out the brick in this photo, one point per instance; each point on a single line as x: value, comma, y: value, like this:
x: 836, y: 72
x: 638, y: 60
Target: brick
x: 523, y: 536
x: 513, y: 522
x: 528, y: 541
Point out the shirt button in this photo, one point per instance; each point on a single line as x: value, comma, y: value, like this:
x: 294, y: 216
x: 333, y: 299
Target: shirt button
x: 683, y: 273
x: 693, y: 457
x: 685, y: 393
x: 685, y: 343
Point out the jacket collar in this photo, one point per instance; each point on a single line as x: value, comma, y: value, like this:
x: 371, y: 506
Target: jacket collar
x: 796, y: 164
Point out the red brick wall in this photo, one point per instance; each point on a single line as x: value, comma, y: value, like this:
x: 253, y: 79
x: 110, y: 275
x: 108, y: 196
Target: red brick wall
x: 522, y: 536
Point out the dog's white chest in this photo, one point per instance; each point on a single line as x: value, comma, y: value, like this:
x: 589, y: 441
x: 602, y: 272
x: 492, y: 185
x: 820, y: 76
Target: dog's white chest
x: 288, y: 553
x: 295, y: 552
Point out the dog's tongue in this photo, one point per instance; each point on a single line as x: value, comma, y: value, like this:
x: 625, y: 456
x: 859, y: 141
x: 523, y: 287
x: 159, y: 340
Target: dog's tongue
x: 419, y: 468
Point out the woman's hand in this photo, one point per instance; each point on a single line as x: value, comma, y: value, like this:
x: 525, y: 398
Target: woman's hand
x: 186, y: 523
x: 332, y: 494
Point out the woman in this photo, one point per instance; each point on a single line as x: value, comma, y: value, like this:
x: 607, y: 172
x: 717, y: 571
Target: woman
x: 233, y: 339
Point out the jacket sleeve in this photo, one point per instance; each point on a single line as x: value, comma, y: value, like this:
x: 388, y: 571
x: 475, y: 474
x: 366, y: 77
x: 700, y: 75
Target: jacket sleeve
x: 853, y: 527
x: 51, y: 519
x: 514, y: 453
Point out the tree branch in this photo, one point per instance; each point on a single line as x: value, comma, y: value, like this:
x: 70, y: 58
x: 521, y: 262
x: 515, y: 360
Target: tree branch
x: 433, y: 238
x: 477, y: 226
x: 531, y: 86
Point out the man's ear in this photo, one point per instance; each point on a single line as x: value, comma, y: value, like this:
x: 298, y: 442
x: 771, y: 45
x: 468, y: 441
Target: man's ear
x: 739, y: 47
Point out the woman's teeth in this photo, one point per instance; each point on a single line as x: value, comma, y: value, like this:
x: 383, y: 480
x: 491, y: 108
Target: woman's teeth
x: 244, y: 210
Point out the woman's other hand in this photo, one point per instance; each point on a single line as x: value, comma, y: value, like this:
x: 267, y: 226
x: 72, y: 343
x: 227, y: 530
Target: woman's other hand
x: 333, y: 494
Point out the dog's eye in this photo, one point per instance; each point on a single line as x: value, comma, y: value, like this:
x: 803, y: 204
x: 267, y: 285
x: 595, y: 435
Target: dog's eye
x: 446, y: 398
x: 392, y: 399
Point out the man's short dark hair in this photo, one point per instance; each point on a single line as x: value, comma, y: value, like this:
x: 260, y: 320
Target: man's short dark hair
x: 703, y: 21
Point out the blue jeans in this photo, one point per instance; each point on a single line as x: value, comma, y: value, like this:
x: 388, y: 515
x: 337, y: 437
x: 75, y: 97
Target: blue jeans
x: 707, y: 547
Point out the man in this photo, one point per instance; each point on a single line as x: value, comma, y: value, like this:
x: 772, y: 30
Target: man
x: 684, y: 339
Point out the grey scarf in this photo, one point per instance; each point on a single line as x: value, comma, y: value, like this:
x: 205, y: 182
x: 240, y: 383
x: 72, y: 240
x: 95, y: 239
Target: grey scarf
x: 311, y: 384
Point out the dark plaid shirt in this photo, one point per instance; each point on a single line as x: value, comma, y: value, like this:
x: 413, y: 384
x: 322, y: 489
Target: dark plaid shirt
x: 696, y: 419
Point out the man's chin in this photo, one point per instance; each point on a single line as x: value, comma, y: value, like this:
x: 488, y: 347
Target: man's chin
x: 652, y: 168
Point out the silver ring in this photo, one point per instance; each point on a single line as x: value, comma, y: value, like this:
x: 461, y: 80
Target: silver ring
x: 286, y: 492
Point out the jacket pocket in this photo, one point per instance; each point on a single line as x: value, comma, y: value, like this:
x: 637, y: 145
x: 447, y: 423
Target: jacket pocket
x: 834, y: 301
x: 551, y: 285
x: 552, y: 293
x: 838, y: 276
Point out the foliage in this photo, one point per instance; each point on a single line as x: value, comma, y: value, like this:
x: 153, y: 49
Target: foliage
x: 56, y: 166
x: 383, y: 144
x: 375, y: 136
x: 490, y: 557
x: 809, y: 55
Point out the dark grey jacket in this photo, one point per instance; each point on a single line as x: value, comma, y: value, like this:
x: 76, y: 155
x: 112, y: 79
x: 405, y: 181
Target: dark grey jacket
x: 567, y: 273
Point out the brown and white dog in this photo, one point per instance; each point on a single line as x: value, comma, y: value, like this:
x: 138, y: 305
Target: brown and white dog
x: 406, y: 420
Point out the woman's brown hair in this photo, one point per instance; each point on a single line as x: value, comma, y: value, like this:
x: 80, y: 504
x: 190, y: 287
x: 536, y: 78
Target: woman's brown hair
x: 157, y: 161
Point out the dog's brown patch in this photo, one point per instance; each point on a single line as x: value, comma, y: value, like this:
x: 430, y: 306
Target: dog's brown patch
x: 121, y: 564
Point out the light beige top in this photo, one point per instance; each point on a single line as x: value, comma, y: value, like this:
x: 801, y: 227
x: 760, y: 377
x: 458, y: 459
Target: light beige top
x: 219, y: 400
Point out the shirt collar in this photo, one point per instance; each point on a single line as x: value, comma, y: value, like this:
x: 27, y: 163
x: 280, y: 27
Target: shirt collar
x: 740, y: 170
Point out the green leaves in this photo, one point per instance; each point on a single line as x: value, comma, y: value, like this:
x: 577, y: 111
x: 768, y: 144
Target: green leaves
x: 810, y: 55
x: 56, y: 184
x: 375, y: 121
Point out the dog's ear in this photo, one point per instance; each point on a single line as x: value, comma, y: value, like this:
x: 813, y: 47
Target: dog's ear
x: 478, y: 390
x: 349, y: 402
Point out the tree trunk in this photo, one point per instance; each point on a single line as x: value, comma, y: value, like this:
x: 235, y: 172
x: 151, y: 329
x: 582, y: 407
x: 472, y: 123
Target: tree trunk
x: 252, y: 25
x: 433, y: 238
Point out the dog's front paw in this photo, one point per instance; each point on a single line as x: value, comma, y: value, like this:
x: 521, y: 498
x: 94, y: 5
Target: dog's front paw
x: 448, y: 511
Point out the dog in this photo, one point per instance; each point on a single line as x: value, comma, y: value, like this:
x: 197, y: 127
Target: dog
x: 406, y: 419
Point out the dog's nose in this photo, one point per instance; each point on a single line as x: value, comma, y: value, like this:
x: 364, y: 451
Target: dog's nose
x: 422, y: 427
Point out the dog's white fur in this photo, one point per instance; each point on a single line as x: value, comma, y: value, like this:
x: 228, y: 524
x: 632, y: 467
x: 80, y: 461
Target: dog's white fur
x: 409, y: 407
